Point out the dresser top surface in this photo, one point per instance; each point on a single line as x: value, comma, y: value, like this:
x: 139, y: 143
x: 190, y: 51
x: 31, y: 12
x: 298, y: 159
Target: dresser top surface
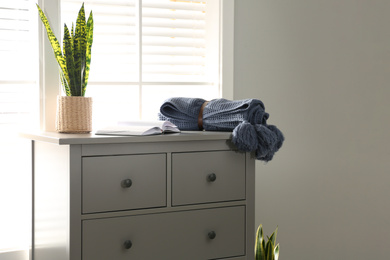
x: 66, y: 139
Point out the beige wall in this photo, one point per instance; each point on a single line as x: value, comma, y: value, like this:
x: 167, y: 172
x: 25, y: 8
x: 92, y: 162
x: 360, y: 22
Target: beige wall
x: 322, y: 68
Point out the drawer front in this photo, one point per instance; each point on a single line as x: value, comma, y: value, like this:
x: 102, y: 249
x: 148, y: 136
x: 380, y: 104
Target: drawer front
x: 179, y: 235
x: 113, y: 183
x: 204, y: 177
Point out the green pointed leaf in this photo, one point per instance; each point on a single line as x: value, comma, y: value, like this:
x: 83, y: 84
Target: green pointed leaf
x: 75, y: 58
x: 273, y: 236
x: 89, y: 35
x: 276, y: 252
x: 65, y: 84
x: 56, y: 47
x: 269, y: 250
x: 259, y: 245
x: 68, y: 54
x: 80, y: 49
x: 72, y: 38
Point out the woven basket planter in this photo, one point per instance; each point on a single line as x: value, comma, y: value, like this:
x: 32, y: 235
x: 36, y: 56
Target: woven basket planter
x: 74, y: 114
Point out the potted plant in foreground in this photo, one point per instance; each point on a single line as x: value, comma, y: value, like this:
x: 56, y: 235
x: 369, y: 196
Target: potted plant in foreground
x: 74, y: 111
x: 266, y: 251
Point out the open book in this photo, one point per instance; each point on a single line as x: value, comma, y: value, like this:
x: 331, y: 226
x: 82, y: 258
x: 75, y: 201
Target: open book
x: 139, y: 128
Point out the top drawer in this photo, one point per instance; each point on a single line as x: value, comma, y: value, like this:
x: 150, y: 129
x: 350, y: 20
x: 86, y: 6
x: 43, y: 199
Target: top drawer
x: 125, y: 182
x: 203, y: 177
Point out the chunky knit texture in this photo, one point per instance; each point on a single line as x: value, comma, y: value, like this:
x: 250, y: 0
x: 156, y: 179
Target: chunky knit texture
x: 246, y: 118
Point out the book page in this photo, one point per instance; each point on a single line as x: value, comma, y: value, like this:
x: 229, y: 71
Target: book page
x: 166, y: 126
x: 139, y: 128
x: 129, y: 130
x: 142, y: 123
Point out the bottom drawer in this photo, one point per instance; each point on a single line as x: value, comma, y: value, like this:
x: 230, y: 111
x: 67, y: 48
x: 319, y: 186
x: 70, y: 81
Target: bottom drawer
x: 197, y: 234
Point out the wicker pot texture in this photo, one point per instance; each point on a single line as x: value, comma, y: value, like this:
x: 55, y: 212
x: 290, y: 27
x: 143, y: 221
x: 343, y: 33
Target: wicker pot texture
x: 74, y: 114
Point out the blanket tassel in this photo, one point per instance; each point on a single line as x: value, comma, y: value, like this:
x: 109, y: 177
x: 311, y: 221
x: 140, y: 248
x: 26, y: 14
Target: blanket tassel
x: 266, y: 140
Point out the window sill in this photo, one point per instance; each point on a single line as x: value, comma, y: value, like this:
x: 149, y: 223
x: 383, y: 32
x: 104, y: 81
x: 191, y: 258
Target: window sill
x: 17, y: 254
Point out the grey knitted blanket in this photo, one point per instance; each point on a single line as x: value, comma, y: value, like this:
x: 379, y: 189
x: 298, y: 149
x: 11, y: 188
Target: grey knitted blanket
x: 246, y: 118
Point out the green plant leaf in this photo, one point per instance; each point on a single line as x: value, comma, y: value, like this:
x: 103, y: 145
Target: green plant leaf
x: 56, y: 48
x: 68, y: 54
x: 72, y: 38
x: 65, y: 84
x: 89, y: 35
x: 259, y: 244
x: 79, y: 50
x: 75, y: 58
x: 269, y: 250
x: 276, y: 252
x: 273, y: 236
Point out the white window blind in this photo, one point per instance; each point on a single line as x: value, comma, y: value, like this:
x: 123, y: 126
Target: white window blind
x: 19, y: 104
x: 174, y: 41
x: 18, y: 64
x: 146, y: 51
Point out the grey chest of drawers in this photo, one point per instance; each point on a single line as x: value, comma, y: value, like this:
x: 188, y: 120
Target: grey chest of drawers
x: 182, y: 196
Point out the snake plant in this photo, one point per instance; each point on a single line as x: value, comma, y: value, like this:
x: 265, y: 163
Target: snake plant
x: 75, y: 57
x: 266, y: 251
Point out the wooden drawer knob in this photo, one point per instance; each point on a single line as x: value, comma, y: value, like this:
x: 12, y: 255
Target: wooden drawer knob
x: 126, y: 183
x: 211, y: 177
x: 211, y: 234
x: 127, y: 244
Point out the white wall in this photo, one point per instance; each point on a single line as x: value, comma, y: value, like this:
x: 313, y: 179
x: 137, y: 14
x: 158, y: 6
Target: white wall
x: 322, y: 68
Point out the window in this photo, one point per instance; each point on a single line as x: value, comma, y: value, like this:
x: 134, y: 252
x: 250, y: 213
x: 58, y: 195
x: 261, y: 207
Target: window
x: 18, y: 64
x: 18, y: 109
x: 143, y: 52
x: 146, y: 51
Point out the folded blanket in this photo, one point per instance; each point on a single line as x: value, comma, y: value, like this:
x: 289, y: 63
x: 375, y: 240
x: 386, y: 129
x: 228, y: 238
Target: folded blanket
x: 246, y: 118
